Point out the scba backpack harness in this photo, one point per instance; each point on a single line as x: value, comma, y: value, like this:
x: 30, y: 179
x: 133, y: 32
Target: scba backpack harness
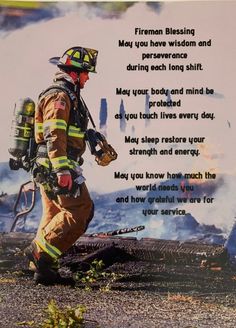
x: 25, y: 151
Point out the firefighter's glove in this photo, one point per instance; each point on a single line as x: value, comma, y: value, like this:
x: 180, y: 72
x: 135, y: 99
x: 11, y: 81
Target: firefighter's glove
x: 106, y: 155
x: 64, y: 179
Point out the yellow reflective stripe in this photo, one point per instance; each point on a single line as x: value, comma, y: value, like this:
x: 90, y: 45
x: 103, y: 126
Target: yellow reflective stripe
x: 22, y: 127
x: 22, y: 139
x: 43, y: 161
x: 48, y: 248
x: 24, y: 132
x: 72, y: 164
x: 39, y: 127
x: 76, y: 54
x: 75, y: 132
x: 69, y: 52
x: 55, y: 124
x: 86, y: 58
x: 56, y: 162
x: 59, y: 162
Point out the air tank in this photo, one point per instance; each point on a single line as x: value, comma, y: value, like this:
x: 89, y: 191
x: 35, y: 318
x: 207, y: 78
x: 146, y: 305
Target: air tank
x: 22, y: 127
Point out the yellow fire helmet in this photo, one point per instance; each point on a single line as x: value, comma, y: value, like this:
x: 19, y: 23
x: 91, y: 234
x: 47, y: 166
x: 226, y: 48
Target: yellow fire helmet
x: 77, y: 59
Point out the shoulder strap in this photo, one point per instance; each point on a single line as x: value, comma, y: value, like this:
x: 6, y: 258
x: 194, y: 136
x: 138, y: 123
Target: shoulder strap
x: 72, y: 97
x: 88, y: 113
x: 54, y: 87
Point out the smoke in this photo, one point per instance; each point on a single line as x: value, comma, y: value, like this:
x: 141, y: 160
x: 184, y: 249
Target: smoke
x: 11, y: 180
x: 217, y: 154
x: 184, y: 228
x: 111, y: 215
x: 19, y: 15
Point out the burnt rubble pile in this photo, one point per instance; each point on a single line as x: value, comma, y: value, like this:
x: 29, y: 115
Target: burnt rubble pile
x: 116, y: 249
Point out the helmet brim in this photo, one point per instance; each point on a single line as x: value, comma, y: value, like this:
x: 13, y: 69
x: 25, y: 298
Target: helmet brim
x: 54, y: 60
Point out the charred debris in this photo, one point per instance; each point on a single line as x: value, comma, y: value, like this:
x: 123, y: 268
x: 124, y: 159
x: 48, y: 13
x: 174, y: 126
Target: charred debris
x: 112, y: 248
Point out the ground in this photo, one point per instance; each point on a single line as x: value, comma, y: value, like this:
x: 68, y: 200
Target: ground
x: 147, y: 295
x: 159, y: 292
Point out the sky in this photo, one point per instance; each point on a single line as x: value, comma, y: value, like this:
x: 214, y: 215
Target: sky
x: 25, y: 71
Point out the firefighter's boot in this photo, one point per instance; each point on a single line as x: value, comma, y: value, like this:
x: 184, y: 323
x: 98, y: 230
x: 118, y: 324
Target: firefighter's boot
x: 46, y: 272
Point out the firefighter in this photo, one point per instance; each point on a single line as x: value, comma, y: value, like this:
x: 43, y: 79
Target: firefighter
x: 61, y: 121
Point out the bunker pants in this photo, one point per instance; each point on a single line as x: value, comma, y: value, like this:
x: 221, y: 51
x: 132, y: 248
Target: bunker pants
x: 63, y: 222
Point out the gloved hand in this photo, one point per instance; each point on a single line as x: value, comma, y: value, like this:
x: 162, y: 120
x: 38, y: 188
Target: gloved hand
x: 64, y: 179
